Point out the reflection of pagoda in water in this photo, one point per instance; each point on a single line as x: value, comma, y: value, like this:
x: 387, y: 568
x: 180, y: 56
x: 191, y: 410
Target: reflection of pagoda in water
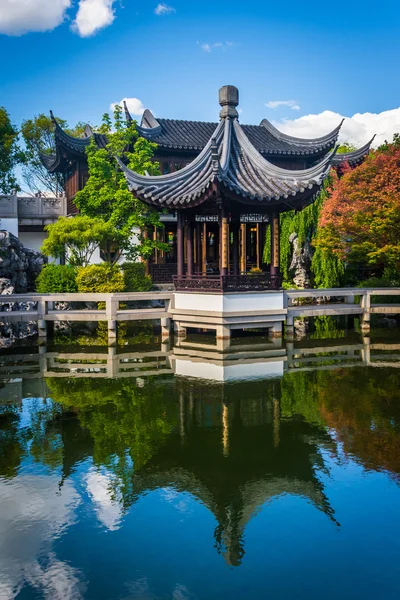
x: 234, y: 453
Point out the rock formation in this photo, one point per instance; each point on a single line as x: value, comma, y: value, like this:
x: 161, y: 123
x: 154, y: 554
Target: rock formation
x: 300, y: 266
x: 18, y: 264
x: 19, y: 267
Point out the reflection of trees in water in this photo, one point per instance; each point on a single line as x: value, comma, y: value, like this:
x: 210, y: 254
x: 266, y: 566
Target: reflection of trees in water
x: 127, y: 423
x: 96, y: 334
x: 37, y: 440
x: 233, y: 446
x: 360, y: 404
x: 366, y: 420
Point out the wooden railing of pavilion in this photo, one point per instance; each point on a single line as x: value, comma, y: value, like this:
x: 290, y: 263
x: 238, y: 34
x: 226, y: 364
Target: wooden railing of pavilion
x: 227, y: 283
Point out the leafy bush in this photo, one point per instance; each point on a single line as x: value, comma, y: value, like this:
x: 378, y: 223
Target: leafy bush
x: 100, y: 279
x: 386, y: 281
x: 379, y: 282
x: 135, y: 276
x: 57, y: 279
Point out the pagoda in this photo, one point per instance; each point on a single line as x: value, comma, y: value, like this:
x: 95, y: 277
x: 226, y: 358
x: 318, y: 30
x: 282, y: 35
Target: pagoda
x: 222, y: 185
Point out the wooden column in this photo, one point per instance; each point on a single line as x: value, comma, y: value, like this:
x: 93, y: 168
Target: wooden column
x: 275, y: 244
x: 204, y: 251
x: 155, y: 237
x: 198, y: 249
x: 146, y: 260
x: 235, y: 248
x: 260, y: 244
x: 243, y: 259
x: 263, y: 227
x: 179, y: 243
x: 258, y: 253
x: 224, y: 242
x: 189, y: 249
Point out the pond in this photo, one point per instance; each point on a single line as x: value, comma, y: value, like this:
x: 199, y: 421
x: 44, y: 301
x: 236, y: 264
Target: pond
x: 175, y: 472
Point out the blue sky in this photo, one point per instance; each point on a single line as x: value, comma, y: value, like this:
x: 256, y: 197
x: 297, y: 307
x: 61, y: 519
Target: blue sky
x: 317, y: 55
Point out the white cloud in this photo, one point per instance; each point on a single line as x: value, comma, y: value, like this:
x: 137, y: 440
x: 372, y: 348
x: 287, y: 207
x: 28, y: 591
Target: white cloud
x: 216, y: 46
x: 33, y: 514
x: 277, y: 103
x: 22, y: 16
x: 92, y: 16
x: 357, y: 130
x: 135, y: 106
x: 108, y: 509
x: 164, y: 9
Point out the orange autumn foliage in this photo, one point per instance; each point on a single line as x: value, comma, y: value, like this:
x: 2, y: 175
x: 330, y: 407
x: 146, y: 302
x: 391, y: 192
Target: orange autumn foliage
x: 360, y: 220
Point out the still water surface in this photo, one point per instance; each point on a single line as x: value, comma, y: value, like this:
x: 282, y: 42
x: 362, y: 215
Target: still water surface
x: 120, y: 479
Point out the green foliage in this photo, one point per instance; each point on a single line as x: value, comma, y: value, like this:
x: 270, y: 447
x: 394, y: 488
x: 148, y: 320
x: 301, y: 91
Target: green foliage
x: 346, y: 147
x: 38, y: 136
x: 106, y: 194
x: 128, y: 424
x: 10, y: 154
x: 327, y: 327
x: 326, y: 268
x: 57, y: 279
x: 102, y: 279
x: 389, y: 279
x: 135, y: 277
x: 77, y: 238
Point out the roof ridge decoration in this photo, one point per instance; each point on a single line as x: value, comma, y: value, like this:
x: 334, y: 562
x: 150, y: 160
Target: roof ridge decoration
x: 231, y: 162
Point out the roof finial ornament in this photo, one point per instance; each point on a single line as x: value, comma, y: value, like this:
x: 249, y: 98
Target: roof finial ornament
x: 229, y: 99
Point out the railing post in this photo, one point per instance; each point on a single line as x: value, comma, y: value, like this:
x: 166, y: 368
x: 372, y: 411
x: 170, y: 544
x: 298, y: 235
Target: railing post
x: 42, y: 324
x: 43, y: 361
x: 366, y: 315
x: 289, y: 328
x: 111, y: 316
x: 366, y: 352
x: 112, y: 363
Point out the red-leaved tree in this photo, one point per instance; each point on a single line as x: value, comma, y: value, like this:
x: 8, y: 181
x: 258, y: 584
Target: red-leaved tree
x: 360, y: 219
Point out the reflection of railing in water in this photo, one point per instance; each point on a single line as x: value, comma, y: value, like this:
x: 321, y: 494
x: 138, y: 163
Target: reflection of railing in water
x: 200, y: 361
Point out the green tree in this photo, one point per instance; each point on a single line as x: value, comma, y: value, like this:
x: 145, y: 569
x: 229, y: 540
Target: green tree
x: 10, y: 153
x: 106, y: 194
x: 38, y: 135
x: 128, y: 423
x: 77, y: 238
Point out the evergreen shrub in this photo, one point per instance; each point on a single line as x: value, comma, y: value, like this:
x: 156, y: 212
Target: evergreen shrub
x: 100, y: 279
x: 135, y: 276
x: 57, y: 279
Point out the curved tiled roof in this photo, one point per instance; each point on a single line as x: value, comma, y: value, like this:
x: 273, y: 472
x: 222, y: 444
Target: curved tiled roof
x: 230, y: 162
x: 194, y: 135
x: 70, y: 144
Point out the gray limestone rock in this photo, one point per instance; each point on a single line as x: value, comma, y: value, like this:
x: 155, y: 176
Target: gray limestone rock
x: 300, y: 266
x: 19, y: 267
x: 18, y: 264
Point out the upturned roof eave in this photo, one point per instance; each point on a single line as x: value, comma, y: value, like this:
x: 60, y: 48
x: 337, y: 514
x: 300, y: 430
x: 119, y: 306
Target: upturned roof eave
x: 354, y: 156
x: 329, y: 138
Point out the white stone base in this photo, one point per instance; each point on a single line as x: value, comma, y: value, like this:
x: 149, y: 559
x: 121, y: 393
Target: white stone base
x: 225, y: 312
x: 229, y: 302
